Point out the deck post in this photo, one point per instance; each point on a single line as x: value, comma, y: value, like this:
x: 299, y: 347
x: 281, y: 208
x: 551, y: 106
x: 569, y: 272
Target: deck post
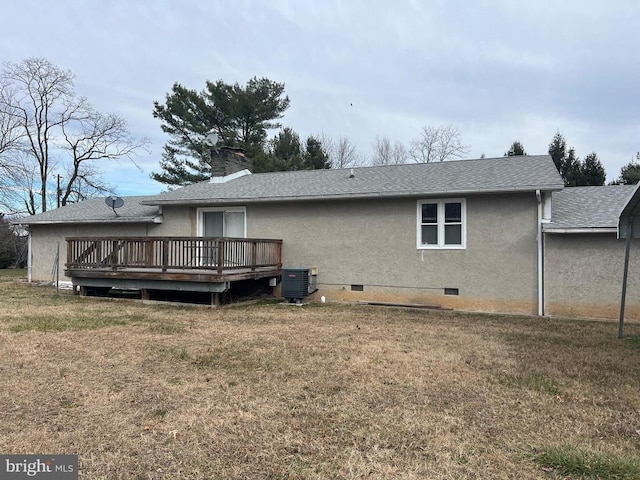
x: 220, y: 259
x: 215, y: 299
x: 144, y: 294
x: 69, y: 249
x: 254, y: 248
x: 165, y: 254
x: 114, y: 254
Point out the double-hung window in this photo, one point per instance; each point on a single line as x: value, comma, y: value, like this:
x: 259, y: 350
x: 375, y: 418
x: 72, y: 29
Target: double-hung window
x: 442, y: 224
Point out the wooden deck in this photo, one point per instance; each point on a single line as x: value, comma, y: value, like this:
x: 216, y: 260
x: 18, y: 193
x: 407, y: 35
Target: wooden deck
x: 200, y: 275
x: 170, y: 263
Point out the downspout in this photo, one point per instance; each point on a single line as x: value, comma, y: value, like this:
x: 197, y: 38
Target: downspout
x: 540, y: 258
x: 624, y: 276
x: 29, y: 261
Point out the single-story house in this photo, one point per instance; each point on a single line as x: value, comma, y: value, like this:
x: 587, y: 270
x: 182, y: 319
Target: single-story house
x: 494, y: 234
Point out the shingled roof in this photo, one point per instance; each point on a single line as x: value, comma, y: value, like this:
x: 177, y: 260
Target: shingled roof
x: 95, y: 210
x: 489, y: 175
x: 588, y: 208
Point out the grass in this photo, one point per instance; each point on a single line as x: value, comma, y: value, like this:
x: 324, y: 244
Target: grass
x: 11, y: 274
x: 331, y: 391
x: 568, y: 460
x: 530, y: 380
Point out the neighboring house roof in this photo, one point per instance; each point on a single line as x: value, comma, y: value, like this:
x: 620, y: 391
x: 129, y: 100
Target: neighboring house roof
x: 95, y: 210
x: 588, y: 209
x: 489, y: 175
x: 630, y: 214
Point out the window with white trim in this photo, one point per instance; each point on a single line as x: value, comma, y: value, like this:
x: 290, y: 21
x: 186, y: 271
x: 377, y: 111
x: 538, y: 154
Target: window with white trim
x: 442, y: 224
x: 222, y: 222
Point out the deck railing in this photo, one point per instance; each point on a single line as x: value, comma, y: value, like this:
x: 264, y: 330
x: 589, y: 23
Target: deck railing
x: 173, y: 253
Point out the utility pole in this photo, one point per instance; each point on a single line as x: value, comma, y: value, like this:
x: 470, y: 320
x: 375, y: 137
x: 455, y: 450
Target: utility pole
x: 59, y: 191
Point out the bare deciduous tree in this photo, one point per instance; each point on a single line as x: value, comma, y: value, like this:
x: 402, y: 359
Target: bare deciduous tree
x: 438, y: 144
x: 41, y: 119
x: 91, y: 136
x: 345, y: 154
x: 381, y: 151
x: 384, y: 153
x: 342, y: 152
x: 399, y: 154
x: 88, y: 183
x: 36, y: 94
x: 18, y: 180
x: 10, y: 134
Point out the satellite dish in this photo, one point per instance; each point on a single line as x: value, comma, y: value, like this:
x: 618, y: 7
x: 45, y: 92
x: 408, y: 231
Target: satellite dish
x: 211, y: 138
x: 114, y: 202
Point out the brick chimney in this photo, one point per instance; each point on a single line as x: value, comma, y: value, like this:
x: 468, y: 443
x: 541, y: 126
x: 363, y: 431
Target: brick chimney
x: 228, y: 160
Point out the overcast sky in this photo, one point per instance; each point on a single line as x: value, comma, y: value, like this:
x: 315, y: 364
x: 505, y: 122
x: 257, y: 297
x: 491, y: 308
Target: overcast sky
x: 498, y: 70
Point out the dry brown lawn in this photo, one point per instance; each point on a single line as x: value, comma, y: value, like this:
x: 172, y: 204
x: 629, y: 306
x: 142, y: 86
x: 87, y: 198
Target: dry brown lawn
x: 320, y: 391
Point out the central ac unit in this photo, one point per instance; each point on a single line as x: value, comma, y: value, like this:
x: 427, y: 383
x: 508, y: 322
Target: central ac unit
x: 297, y: 283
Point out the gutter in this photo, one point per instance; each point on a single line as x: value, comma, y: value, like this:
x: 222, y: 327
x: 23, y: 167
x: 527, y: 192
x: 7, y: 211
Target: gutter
x: 29, y: 259
x: 582, y: 230
x: 156, y: 219
x: 540, y: 257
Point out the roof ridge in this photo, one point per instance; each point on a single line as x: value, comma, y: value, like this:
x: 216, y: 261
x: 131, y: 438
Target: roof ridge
x: 402, y: 165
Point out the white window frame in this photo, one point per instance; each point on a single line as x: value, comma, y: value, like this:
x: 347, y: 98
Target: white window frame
x: 440, y: 202
x: 201, y: 212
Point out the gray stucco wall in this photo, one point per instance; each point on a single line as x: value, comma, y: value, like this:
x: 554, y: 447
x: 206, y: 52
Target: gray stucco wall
x: 45, y: 240
x: 373, y: 243
x: 177, y: 221
x: 583, y: 275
